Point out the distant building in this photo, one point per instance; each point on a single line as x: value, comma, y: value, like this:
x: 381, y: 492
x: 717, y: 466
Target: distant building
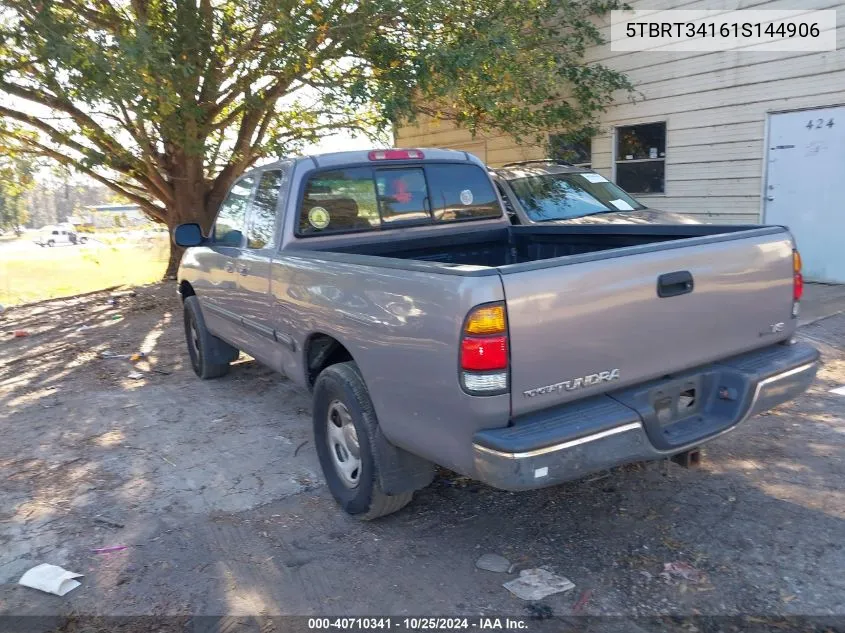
x: 110, y: 216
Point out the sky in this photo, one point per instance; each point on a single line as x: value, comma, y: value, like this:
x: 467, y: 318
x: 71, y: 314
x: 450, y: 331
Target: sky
x: 341, y: 143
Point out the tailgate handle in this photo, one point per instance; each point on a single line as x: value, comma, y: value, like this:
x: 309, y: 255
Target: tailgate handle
x: 674, y: 284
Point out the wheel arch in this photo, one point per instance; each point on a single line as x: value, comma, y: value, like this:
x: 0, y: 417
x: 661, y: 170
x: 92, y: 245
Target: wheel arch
x: 186, y: 290
x: 322, y: 350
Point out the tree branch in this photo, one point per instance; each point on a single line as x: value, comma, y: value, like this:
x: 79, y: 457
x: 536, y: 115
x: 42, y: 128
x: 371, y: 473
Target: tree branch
x: 82, y: 119
x: 32, y: 146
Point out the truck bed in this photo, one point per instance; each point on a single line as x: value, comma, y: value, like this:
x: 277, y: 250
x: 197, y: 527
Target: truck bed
x: 524, y: 244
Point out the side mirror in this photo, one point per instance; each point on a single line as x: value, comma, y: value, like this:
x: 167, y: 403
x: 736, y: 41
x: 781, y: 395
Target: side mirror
x: 187, y: 235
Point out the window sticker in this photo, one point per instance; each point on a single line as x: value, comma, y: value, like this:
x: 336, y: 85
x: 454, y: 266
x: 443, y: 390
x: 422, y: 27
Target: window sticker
x: 621, y: 205
x: 466, y: 197
x: 400, y: 191
x: 594, y: 177
x: 318, y: 217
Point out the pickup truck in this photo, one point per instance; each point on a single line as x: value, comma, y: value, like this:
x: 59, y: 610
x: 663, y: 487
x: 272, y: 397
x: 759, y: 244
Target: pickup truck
x: 431, y: 331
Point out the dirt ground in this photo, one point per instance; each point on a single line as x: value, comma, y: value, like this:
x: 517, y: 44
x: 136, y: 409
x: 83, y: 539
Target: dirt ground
x: 215, y: 490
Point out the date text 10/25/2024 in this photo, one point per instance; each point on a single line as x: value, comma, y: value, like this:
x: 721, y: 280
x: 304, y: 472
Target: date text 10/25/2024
x: 388, y: 623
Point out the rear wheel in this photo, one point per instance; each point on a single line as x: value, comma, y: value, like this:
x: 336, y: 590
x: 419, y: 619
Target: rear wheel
x: 210, y: 356
x: 344, y: 427
x: 83, y: 240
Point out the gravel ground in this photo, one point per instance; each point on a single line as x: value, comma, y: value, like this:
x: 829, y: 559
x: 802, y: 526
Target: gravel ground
x: 215, y: 489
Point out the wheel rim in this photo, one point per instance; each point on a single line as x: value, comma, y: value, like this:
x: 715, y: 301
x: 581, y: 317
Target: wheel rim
x: 343, y: 444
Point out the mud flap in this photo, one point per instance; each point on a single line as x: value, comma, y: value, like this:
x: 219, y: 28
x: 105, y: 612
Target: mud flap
x: 400, y: 471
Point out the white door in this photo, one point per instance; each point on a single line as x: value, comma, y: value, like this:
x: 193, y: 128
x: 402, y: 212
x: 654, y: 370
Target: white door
x: 805, y: 187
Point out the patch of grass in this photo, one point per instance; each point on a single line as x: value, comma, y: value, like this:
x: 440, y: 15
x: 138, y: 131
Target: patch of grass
x: 45, y: 273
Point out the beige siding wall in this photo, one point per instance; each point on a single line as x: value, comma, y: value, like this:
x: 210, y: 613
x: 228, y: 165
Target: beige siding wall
x: 715, y: 106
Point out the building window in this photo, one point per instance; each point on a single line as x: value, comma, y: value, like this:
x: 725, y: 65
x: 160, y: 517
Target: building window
x: 578, y: 152
x: 641, y: 158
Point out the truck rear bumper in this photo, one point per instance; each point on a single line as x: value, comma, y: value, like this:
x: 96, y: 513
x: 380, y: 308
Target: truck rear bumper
x: 580, y: 438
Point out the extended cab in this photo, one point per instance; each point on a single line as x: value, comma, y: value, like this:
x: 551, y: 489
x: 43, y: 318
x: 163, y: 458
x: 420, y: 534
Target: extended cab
x: 432, y: 331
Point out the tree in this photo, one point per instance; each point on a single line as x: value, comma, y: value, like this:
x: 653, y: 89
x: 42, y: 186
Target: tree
x: 167, y: 102
x: 16, y: 180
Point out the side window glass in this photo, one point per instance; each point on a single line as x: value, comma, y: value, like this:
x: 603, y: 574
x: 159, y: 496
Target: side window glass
x: 263, y: 222
x: 229, y: 227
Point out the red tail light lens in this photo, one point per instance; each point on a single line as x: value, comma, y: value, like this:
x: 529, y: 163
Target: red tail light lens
x: 484, y: 354
x: 797, y: 277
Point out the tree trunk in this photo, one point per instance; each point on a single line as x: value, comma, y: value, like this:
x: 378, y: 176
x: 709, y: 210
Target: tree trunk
x: 173, y: 262
x: 194, y: 199
x: 189, y: 204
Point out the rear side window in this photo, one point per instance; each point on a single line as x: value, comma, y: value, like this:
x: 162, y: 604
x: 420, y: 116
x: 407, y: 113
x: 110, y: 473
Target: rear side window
x: 263, y: 222
x: 229, y: 227
x: 461, y: 192
x: 367, y: 198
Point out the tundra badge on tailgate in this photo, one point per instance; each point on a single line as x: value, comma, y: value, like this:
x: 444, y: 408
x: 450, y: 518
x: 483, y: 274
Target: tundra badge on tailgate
x: 575, y: 383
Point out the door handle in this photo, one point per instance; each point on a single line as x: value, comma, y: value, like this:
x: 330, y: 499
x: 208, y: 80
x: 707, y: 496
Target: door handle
x: 674, y: 284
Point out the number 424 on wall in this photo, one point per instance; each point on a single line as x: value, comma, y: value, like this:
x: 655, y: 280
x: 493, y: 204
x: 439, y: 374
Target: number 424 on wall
x: 817, y: 124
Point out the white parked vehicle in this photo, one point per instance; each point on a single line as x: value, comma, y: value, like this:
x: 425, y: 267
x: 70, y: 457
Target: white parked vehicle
x: 58, y: 236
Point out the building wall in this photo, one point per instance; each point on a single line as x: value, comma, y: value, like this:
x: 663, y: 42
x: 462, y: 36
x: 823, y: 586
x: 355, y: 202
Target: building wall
x: 714, y: 105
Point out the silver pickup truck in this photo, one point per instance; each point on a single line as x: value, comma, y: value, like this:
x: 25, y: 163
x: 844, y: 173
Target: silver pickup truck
x: 432, y: 331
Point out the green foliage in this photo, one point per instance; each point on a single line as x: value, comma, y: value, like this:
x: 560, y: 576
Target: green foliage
x: 16, y: 179
x: 168, y: 101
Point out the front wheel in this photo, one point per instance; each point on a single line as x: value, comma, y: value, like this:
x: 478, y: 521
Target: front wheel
x: 210, y: 356
x: 83, y: 240
x: 344, y: 427
x: 51, y: 243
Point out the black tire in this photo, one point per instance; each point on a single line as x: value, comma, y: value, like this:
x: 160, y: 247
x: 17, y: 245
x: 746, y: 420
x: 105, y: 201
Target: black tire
x: 210, y: 356
x: 51, y: 243
x: 342, y: 383
x: 83, y: 240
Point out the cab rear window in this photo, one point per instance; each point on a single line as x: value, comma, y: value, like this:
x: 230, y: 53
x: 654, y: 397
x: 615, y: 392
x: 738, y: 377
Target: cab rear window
x: 367, y: 198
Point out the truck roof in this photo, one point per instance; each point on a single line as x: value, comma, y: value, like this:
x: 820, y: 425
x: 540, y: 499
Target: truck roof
x: 333, y: 159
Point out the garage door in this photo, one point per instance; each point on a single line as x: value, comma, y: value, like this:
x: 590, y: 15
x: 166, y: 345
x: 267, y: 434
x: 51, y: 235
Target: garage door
x: 805, y: 186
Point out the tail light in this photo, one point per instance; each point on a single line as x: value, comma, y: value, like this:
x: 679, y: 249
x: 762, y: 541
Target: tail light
x: 484, y: 351
x: 797, y: 283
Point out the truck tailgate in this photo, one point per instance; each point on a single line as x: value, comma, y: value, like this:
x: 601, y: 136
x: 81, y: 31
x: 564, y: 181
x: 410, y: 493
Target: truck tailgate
x: 584, y: 325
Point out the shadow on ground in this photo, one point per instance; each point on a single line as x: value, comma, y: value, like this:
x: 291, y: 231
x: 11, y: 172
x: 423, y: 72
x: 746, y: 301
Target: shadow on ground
x: 215, y: 490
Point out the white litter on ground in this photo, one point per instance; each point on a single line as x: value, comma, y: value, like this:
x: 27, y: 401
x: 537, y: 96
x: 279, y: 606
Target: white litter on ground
x: 50, y: 578
x: 493, y: 562
x: 536, y: 584
x: 839, y: 391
